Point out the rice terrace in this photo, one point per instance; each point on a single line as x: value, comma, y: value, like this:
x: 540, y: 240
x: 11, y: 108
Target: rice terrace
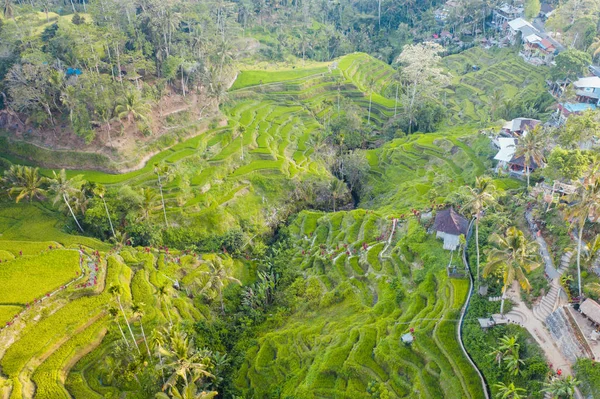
x: 299, y: 199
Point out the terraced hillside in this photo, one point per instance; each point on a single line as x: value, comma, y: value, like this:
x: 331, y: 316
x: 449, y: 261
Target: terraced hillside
x: 418, y: 171
x: 58, y: 345
x: 367, y: 284
x: 470, y: 97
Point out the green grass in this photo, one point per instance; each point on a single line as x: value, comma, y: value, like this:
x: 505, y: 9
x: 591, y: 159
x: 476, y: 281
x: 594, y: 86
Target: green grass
x: 254, y: 78
x: 346, y: 332
x: 30, y: 277
x: 7, y: 312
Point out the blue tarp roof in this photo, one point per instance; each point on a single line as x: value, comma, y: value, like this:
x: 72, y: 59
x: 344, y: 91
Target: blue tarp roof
x: 578, y: 107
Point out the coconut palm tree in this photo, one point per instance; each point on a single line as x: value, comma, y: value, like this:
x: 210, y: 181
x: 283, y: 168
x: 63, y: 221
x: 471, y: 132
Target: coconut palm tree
x: 100, y: 191
x: 68, y: 98
x: 157, y: 341
x: 509, y: 391
x: 149, y: 202
x: 338, y: 189
x: 585, y: 203
x: 216, y: 279
x: 132, y: 107
x: 185, y: 363
x: 114, y: 313
x: 25, y: 182
x: 562, y: 387
x: 138, y: 312
x: 240, y: 130
x: 63, y: 188
x: 479, y: 197
x: 513, y: 256
x: 531, y: 147
x: 164, y: 170
x: 164, y: 297
x: 116, y: 291
x: 370, y: 87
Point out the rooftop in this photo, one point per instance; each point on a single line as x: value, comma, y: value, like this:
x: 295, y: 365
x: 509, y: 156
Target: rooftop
x: 589, y: 82
x: 507, y: 149
x: 450, y: 222
x: 591, y: 309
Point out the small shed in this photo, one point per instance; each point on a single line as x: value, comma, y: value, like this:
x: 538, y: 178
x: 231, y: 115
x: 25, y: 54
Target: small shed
x: 591, y: 309
x: 407, y: 338
x: 449, y: 225
x: 486, y: 323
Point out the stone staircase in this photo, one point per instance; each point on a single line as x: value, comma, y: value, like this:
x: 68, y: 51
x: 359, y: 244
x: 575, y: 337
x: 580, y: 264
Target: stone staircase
x: 565, y: 261
x: 549, y: 302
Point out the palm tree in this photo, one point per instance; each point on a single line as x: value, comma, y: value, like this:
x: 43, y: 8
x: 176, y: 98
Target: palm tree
x: 8, y: 9
x: 240, y: 130
x: 531, y: 147
x: 509, y: 391
x: 25, y: 182
x: 100, y: 191
x: 164, y: 297
x: 585, y: 204
x: 562, y: 387
x: 138, y: 312
x: 479, y: 197
x: 162, y: 170
x: 157, y: 340
x: 513, y: 256
x: 132, y: 107
x: 216, y: 279
x: 63, y: 188
x: 116, y: 291
x: 508, y: 346
x: 370, y: 86
x: 67, y: 97
x: 338, y: 189
x: 149, y: 202
x: 114, y: 313
x: 514, y: 363
x: 184, y: 363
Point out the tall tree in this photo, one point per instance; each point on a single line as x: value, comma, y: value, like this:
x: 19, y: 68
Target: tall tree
x: 117, y: 291
x: 25, y: 182
x: 513, y: 255
x: 132, y: 107
x: 338, y: 189
x: 114, y: 313
x: 531, y: 148
x: 187, y: 366
x: 585, y: 204
x: 423, y: 76
x: 216, y: 278
x: 138, y: 312
x: 100, y: 191
x: 63, y: 189
x: 162, y: 170
x: 480, y: 196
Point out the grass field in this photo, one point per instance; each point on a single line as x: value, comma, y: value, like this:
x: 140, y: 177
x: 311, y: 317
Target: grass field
x: 28, y: 277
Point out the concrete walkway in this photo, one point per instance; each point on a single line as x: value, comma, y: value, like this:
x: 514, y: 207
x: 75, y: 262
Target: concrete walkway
x: 523, y: 316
